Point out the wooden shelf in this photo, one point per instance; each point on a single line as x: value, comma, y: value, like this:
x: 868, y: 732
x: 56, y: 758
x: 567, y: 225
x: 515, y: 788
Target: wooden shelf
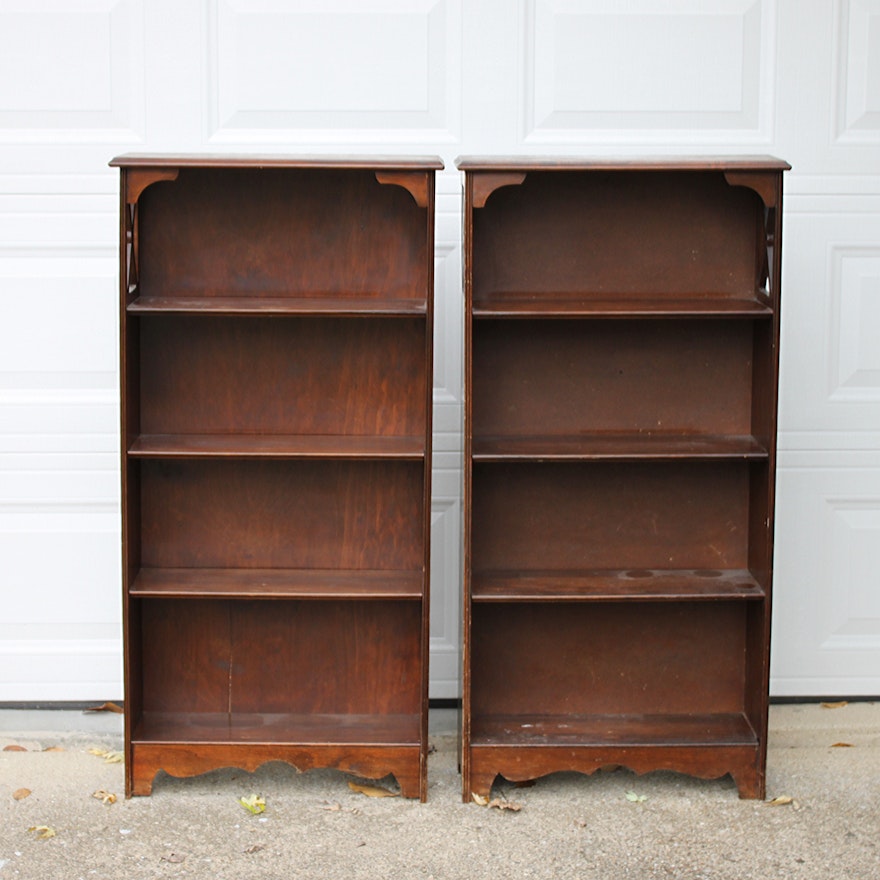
x: 277, y: 446
x: 603, y: 305
x: 301, y: 729
x: 276, y: 318
x: 639, y: 585
x: 618, y: 447
x: 341, y: 306
x: 275, y: 583
x: 621, y: 340
x: 731, y: 729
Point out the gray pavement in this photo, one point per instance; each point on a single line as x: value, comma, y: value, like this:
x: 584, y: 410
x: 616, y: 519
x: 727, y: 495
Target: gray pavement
x: 609, y: 825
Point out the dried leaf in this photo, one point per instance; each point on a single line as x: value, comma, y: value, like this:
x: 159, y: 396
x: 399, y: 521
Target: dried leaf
x: 371, y: 790
x: 479, y: 799
x: 254, y: 804
x: 109, y: 757
x: 106, y: 707
x: 14, y: 747
x: 498, y: 804
x: 782, y: 800
x: 104, y: 796
x: 21, y: 793
x: 842, y: 746
x: 838, y: 705
x: 43, y: 832
x: 336, y: 807
x: 636, y: 798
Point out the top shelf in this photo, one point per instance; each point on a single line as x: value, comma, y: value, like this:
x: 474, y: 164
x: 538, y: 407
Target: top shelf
x: 536, y: 305
x: 616, y: 163
x: 278, y: 305
x: 276, y: 160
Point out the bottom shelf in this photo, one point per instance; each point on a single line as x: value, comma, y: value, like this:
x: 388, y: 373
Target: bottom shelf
x: 520, y: 748
x: 189, y: 744
x: 598, y: 730
x: 277, y: 727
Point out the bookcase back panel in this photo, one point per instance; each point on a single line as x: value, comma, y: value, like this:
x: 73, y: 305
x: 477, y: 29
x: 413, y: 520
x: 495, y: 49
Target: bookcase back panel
x: 276, y: 514
x: 601, y: 659
x: 211, y: 374
x: 588, y: 516
x: 290, y: 232
x: 545, y: 377
x: 281, y: 657
x: 607, y: 233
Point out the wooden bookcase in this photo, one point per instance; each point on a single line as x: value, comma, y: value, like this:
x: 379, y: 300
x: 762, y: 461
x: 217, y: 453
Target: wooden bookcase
x: 276, y: 372
x: 622, y: 326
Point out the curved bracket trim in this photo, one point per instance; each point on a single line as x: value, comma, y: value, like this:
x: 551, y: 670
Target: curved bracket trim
x: 138, y: 179
x: 484, y: 184
x: 763, y: 183
x: 416, y: 183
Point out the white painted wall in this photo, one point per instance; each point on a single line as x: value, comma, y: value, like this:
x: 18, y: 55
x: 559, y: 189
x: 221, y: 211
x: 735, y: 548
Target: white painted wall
x: 83, y: 80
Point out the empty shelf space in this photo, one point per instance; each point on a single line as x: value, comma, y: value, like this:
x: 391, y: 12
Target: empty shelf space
x: 617, y: 447
x: 253, y: 727
x: 598, y: 586
x: 276, y: 583
x: 279, y: 305
x: 550, y: 305
x: 277, y: 446
x: 731, y: 729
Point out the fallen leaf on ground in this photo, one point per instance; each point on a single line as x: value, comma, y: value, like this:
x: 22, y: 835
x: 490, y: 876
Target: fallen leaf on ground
x: 781, y: 800
x: 21, y: 793
x: 106, y: 707
x: 838, y: 705
x: 338, y: 808
x: 636, y: 798
x: 479, y: 799
x: 498, y: 804
x: 104, y: 796
x: 371, y: 790
x: 174, y: 858
x: 109, y: 757
x: 254, y: 804
x: 14, y: 747
x: 43, y: 832
x: 842, y: 745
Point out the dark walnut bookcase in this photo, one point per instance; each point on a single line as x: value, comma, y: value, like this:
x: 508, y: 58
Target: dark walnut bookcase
x: 622, y: 326
x: 276, y: 365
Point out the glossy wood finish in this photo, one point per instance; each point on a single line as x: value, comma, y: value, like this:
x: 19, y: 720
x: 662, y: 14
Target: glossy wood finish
x: 276, y: 327
x: 622, y: 325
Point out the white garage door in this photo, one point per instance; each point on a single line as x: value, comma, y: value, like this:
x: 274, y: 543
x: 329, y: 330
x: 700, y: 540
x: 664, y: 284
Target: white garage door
x: 83, y: 80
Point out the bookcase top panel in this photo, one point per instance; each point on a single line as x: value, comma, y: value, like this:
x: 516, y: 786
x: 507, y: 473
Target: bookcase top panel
x: 275, y: 160
x: 621, y: 163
